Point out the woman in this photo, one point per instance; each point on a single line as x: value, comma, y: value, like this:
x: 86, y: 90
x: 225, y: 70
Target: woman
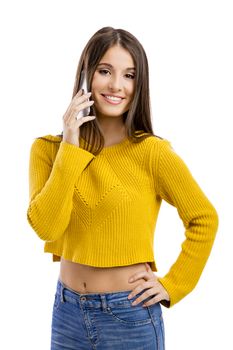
x: 95, y: 195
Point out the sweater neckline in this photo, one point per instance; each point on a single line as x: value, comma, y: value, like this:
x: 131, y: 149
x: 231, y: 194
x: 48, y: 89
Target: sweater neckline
x: 114, y: 147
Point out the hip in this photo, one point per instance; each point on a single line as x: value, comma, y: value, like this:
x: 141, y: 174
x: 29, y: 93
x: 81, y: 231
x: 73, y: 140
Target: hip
x: 104, y: 321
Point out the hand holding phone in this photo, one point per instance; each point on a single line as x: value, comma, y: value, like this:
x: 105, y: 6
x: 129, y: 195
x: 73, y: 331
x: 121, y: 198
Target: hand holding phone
x: 78, y: 108
x: 83, y: 85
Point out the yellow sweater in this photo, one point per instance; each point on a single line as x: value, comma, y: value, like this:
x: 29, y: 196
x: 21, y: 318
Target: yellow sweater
x: 102, y: 210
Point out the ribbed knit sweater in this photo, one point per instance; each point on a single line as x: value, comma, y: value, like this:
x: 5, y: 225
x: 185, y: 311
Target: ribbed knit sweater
x: 102, y: 210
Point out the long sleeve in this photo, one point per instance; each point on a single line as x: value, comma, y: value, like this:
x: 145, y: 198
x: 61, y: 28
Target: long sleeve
x: 176, y: 185
x: 51, y: 186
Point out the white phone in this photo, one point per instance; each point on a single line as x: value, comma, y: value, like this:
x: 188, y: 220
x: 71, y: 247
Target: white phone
x: 83, y: 85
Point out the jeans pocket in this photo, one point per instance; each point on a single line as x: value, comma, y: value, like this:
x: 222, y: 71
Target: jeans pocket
x: 130, y: 315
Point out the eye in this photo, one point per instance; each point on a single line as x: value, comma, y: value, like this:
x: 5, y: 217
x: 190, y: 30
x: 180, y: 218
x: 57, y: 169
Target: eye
x: 103, y: 71
x: 131, y: 76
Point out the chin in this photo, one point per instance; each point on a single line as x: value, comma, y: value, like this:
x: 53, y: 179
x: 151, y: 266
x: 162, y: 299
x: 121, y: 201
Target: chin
x: 108, y: 113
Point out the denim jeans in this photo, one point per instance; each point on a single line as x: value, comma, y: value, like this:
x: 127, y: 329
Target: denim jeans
x: 104, y: 321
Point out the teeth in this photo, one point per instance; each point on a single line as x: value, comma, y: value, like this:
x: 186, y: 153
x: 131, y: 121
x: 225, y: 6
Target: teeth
x: 113, y: 98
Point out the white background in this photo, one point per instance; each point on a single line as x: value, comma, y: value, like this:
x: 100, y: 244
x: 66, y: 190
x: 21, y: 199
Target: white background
x: 189, y: 48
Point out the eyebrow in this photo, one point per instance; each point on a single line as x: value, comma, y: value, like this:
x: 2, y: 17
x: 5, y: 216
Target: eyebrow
x: 109, y: 65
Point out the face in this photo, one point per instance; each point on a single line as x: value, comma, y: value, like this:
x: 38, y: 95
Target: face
x: 113, y: 83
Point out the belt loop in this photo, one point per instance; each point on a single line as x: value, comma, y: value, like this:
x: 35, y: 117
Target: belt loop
x: 103, y: 302
x: 61, y: 294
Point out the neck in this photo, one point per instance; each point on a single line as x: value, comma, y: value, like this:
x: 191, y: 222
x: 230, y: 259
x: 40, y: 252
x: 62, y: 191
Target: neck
x: 112, y: 128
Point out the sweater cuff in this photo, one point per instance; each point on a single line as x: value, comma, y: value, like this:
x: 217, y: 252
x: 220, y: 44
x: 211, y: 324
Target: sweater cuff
x: 171, y: 290
x: 71, y: 158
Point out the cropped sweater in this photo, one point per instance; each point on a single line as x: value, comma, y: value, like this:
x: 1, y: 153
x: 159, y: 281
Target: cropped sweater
x: 102, y: 210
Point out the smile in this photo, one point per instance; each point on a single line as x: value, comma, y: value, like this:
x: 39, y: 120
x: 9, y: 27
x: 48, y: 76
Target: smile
x: 112, y: 99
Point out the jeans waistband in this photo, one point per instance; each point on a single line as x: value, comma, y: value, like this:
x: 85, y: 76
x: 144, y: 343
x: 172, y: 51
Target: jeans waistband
x: 96, y: 300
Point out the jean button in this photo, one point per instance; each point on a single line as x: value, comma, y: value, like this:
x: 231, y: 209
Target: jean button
x: 83, y: 298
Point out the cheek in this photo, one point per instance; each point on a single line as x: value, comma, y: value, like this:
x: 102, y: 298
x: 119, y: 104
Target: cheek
x: 94, y: 82
x: 131, y: 89
x: 131, y: 95
x: 93, y: 85
x: 97, y: 81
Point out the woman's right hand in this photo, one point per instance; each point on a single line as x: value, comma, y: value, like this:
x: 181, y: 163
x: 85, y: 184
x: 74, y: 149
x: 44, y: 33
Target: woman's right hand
x: 71, y: 120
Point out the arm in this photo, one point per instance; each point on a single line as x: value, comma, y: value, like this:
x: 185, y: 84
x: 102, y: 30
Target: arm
x: 176, y: 185
x: 51, y: 186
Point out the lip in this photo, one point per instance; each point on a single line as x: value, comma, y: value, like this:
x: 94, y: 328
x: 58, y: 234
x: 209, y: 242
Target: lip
x: 112, y: 95
x: 112, y: 102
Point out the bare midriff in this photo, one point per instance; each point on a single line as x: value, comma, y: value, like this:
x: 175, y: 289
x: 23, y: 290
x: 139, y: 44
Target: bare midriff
x: 90, y: 279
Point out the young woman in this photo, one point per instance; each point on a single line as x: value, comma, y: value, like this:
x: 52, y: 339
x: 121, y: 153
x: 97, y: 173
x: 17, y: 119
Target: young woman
x: 95, y: 195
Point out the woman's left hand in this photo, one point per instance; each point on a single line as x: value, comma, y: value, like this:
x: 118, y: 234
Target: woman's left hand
x: 155, y: 288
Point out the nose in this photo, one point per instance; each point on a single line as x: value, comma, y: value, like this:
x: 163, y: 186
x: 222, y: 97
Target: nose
x: 115, y: 83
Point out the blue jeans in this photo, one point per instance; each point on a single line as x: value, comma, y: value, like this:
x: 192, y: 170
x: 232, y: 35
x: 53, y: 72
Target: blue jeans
x: 104, y: 321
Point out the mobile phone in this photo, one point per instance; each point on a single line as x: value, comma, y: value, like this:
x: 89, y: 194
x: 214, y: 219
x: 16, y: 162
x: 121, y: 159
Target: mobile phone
x: 83, y: 85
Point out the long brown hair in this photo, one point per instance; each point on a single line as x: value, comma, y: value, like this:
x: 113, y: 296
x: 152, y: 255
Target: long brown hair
x: 137, y: 119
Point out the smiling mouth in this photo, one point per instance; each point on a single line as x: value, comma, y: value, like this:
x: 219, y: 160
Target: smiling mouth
x: 112, y: 99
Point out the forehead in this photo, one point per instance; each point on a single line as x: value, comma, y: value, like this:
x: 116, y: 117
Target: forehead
x: 118, y: 57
